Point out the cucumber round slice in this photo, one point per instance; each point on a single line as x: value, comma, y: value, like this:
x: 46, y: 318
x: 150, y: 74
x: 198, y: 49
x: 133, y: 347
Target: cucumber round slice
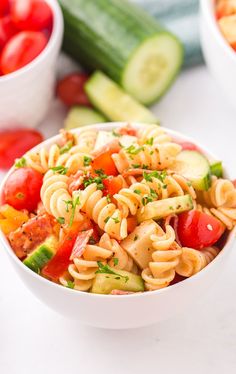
x: 153, y: 67
x: 81, y: 116
x: 195, y: 167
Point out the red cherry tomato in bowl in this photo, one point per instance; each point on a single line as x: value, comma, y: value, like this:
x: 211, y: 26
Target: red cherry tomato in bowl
x: 14, y: 143
x: 7, y: 30
x: 34, y: 15
x: 22, y: 189
x: 112, y: 185
x: 21, y: 50
x: 4, y: 7
x: 70, y: 89
x: 198, y: 230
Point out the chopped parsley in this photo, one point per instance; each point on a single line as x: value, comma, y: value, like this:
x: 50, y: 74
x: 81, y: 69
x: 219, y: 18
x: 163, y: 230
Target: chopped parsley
x: 116, y: 219
x: 66, y: 147
x: 136, y: 166
x: 108, y: 197
x: 106, y: 269
x: 87, y: 160
x: 150, y: 141
x: 115, y: 261
x: 61, y: 220
x: 73, y: 205
x: 154, y: 174
x: 20, y: 163
x: 107, y: 219
x: 60, y: 169
x: 147, y: 199
x: 132, y: 150
x: 114, y: 133
x: 70, y: 284
x: 137, y: 192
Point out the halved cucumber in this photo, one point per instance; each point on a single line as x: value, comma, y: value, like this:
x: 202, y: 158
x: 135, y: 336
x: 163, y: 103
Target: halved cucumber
x: 162, y: 208
x: 114, y: 103
x: 41, y: 255
x: 81, y: 116
x: 195, y: 167
x: 105, y: 283
x: 217, y: 169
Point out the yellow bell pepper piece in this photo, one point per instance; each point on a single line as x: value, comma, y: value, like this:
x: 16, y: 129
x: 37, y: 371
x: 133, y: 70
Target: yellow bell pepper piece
x: 7, y: 226
x: 15, y: 216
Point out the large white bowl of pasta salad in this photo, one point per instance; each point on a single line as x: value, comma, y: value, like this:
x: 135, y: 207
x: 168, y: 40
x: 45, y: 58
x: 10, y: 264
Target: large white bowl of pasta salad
x: 118, y: 225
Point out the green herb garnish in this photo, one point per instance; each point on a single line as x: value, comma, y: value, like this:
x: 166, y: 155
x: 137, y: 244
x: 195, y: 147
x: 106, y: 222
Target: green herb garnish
x: 70, y: 284
x: 61, y: 220
x: 87, y: 160
x: 132, y: 150
x: 115, y: 261
x: 107, y: 219
x: 108, y: 197
x: 73, y: 205
x: 136, y: 166
x: 137, y: 192
x: 106, y: 269
x: 150, y: 141
x: 116, y: 219
x: 20, y: 163
x: 114, y: 133
x: 154, y: 174
x: 60, y: 169
x: 66, y: 147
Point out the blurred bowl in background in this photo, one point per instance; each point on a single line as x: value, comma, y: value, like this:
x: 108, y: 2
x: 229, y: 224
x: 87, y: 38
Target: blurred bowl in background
x: 220, y: 57
x: 25, y: 95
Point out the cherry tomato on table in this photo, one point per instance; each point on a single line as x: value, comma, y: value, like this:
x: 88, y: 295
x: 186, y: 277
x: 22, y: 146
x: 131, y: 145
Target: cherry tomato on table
x: 14, y: 143
x: 21, y: 50
x: 70, y: 89
x: 198, y: 230
x: 22, y: 189
x: 7, y: 30
x: 34, y: 15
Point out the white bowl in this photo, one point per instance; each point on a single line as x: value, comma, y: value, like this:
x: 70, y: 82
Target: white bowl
x: 119, y: 312
x: 219, y: 56
x: 25, y: 95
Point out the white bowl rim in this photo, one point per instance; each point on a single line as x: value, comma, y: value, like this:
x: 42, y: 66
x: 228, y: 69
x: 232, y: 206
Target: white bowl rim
x: 207, y: 7
x: 110, y: 126
x: 56, y: 33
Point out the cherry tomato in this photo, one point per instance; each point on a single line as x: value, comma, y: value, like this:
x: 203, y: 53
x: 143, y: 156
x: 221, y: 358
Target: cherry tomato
x: 198, y: 230
x: 4, y: 7
x: 22, y: 49
x: 22, y: 189
x: 15, y: 143
x: 7, y: 30
x: 60, y: 262
x: 112, y: 185
x: 71, y: 91
x: 34, y: 15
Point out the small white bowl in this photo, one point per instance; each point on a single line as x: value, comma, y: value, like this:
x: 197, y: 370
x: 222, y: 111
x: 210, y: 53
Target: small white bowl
x: 219, y: 56
x: 26, y: 94
x: 127, y: 311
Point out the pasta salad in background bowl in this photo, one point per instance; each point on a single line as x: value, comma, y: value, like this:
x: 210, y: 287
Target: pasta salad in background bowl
x: 118, y: 225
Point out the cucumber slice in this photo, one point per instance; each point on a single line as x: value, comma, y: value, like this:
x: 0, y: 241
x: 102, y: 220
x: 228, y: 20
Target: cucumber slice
x: 105, y: 283
x: 163, y: 208
x: 114, y: 103
x: 217, y: 169
x: 81, y: 116
x: 195, y: 167
x: 41, y: 255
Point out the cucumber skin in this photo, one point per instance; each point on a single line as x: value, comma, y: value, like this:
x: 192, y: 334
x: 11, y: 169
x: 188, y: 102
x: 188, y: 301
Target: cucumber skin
x: 108, y: 45
x: 36, y: 263
x: 91, y: 116
x: 105, y: 283
x: 217, y: 169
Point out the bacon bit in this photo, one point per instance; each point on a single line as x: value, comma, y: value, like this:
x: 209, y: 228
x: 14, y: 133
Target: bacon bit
x: 80, y: 244
x: 30, y: 234
x: 135, y: 172
x: 112, y: 147
x: 120, y: 292
x: 127, y: 130
x: 75, y: 181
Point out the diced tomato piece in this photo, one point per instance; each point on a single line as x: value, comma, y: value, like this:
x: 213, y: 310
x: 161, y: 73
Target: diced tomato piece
x: 32, y: 15
x: 21, y: 49
x: 70, y: 89
x: 198, y: 230
x: 7, y: 30
x: 127, y: 131
x: 15, y: 143
x: 106, y: 163
x: 112, y: 185
x: 187, y: 146
x: 56, y: 267
x: 225, y: 8
x: 80, y: 244
x: 22, y: 189
x: 131, y: 224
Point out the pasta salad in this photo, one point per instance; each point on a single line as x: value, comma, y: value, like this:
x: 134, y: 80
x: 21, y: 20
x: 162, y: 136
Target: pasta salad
x: 117, y: 212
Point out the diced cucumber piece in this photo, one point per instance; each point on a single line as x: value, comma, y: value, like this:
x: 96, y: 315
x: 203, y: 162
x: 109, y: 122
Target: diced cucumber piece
x: 81, y: 116
x: 105, y: 283
x: 163, y: 208
x: 115, y: 103
x: 37, y: 259
x: 195, y: 167
x: 217, y: 169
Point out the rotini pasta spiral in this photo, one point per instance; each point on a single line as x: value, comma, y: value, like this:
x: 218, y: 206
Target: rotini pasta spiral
x: 54, y: 194
x: 124, y: 261
x: 161, y: 270
x: 154, y: 132
x: 226, y: 215
x: 104, y: 213
x: 83, y: 270
x: 132, y: 198
x: 192, y: 261
x: 155, y: 157
x: 222, y: 193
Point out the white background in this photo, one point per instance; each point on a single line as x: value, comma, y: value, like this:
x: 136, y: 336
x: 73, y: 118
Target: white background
x: 34, y: 339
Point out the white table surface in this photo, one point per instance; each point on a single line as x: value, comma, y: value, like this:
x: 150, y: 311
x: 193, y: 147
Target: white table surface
x: 34, y: 339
